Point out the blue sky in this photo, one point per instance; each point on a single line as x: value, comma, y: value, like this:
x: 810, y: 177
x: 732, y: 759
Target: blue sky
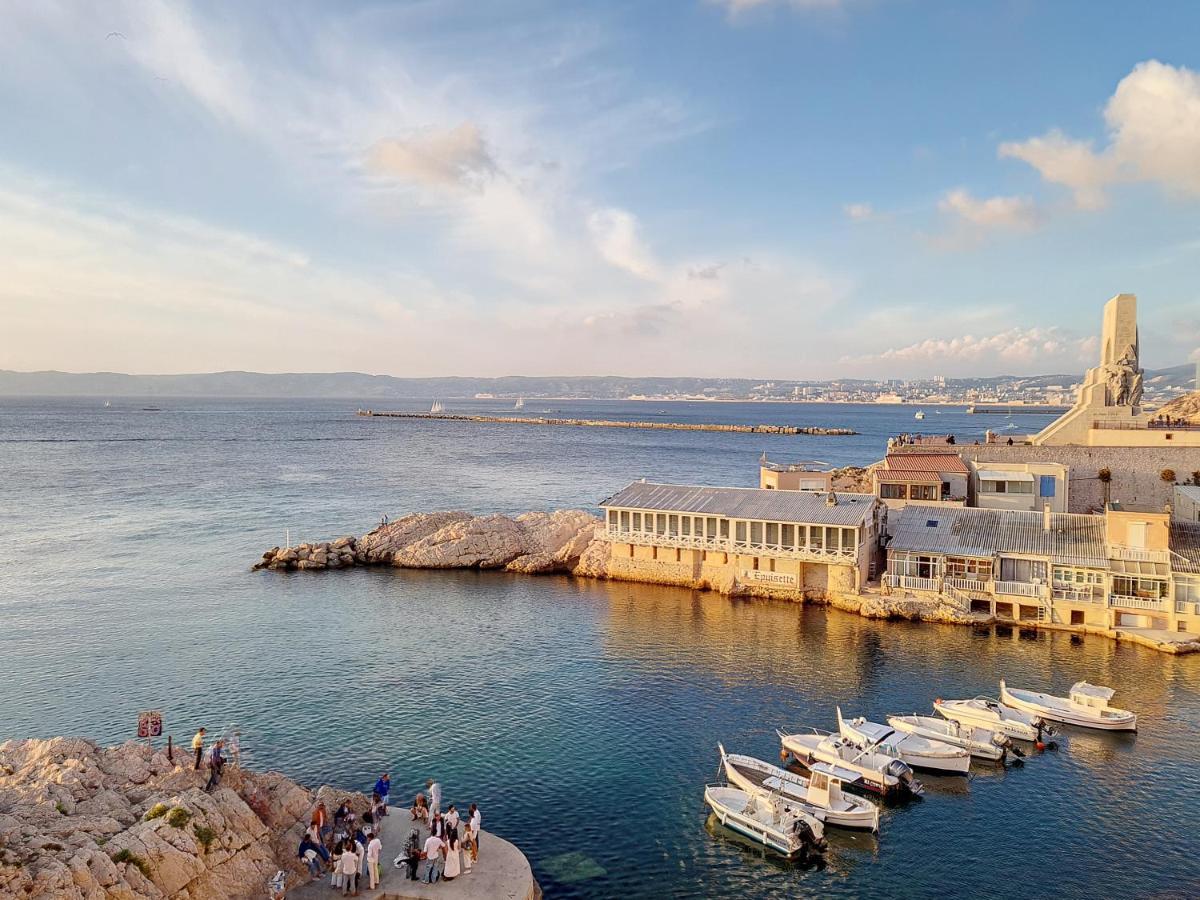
x: 775, y: 188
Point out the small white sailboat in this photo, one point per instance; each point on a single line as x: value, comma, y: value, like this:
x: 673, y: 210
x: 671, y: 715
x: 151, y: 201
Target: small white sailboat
x: 994, y: 716
x: 877, y: 771
x: 777, y: 827
x: 920, y: 414
x: 438, y: 407
x: 919, y: 752
x: 520, y: 404
x: 975, y: 739
x: 821, y: 795
x: 107, y: 404
x: 1086, y: 706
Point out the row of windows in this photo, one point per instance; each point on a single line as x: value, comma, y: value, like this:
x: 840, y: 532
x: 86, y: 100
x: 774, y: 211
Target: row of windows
x: 781, y: 535
x: 909, y: 491
x: 1006, y: 487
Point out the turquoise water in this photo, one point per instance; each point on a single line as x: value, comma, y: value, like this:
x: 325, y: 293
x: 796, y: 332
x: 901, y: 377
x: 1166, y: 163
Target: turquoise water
x: 582, y: 716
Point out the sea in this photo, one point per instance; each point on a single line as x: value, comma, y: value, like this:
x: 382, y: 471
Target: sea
x: 582, y: 716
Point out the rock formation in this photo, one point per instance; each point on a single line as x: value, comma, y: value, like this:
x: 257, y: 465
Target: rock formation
x: 81, y: 821
x: 534, y: 542
x: 1186, y: 408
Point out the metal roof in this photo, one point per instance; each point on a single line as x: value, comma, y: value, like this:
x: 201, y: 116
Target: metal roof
x: 1073, y: 537
x: 949, y: 463
x: 885, y: 477
x: 746, y: 503
x: 1185, y: 547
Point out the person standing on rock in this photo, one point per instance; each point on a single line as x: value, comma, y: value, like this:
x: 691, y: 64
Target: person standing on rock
x: 383, y: 787
x: 216, y: 763
x: 320, y: 818
x: 198, y: 747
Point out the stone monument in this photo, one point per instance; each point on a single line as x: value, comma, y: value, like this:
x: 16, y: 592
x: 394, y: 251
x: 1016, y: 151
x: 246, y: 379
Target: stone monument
x: 1112, y: 391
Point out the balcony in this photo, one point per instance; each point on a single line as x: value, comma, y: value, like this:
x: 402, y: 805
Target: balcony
x: 1021, y: 589
x: 1075, y: 595
x: 970, y: 585
x: 911, y: 583
x: 725, y: 545
x: 1187, y: 608
x: 1138, y: 554
x: 1124, y: 600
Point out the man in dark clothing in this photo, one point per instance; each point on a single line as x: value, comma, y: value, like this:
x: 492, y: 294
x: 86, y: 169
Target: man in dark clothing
x: 216, y: 762
x: 313, y: 858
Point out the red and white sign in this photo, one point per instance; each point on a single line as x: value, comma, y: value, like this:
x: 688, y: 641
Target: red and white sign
x: 150, y: 724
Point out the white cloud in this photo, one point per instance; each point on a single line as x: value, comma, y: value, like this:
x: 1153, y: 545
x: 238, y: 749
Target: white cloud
x: 1045, y: 346
x: 859, y: 212
x: 737, y: 7
x: 1018, y: 213
x: 615, y: 233
x: 456, y: 156
x: 1153, y: 119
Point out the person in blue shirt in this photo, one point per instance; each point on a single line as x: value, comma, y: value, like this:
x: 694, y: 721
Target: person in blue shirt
x: 383, y: 787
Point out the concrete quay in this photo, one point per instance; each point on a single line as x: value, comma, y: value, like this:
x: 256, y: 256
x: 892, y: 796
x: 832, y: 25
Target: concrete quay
x: 501, y: 872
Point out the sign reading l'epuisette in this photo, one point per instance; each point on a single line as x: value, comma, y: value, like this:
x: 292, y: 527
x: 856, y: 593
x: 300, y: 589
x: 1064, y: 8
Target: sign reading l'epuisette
x: 149, y: 724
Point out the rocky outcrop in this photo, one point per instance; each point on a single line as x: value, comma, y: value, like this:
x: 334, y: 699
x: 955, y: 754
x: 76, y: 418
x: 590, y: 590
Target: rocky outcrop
x: 534, y: 542
x: 81, y: 821
x: 1185, y: 408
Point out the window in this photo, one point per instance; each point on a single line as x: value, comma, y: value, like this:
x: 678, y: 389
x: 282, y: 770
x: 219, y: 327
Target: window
x: 1145, y: 588
x: 756, y: 532
x: 922, y: 492
x: 686, y: 526
x: 637, y: 521
x: 1020, y: 487
x: 673, y: 525
x: 848, y: 541
x: 624, y: 520
x: 1187, y: 589
x: 772, y: 534
x: 815, y: 534
x: 613, y: 518
x: 891, y: 491
x: 801, y: 535
x: 660, y: 523
x: 1023, y: 570
x: 710, y: 527
x: 831, y: 538
x: 769, y: 487
x: 1046, y: 485
x: 991, y: 487
x: 968, y: 567
x: 788, y: 536
x: 739, y: 532
x: 725, y: 529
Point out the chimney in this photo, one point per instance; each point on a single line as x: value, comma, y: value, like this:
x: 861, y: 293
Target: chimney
x: 831, y: 499
x: 1045, y: 517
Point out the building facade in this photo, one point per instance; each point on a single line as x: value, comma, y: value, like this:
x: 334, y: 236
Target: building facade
x: 923, y: 476
x: 796, y: 544
x: 1019, y: 485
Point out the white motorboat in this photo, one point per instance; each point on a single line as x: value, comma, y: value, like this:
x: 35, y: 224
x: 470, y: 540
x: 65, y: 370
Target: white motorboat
x: 919, y: 752
x: 870, y: 769
x: 975, y: 739
x: 1086, y: 706
x: 520, y: 404
x: 994, y: 716
x: 821, y: 795
x: 777, y: 827
x: 920, y: 414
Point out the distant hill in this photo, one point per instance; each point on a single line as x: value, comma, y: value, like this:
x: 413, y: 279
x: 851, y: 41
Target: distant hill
x: 360, y: 386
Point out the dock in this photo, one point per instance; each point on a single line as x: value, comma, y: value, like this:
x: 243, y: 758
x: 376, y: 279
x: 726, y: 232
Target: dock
x: 606, y: 423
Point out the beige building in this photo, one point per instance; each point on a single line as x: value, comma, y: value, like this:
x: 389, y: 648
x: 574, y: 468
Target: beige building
x: 795, y: 544
x: 1019, y: 485
x: 1128, y: 569
x: 921, y: 476
x: 792, y: 477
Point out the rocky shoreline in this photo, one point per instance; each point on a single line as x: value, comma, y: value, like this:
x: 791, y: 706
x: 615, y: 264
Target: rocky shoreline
x: 78, y: 820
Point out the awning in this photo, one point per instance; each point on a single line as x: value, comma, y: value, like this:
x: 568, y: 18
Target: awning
x: 908, y: 478
x: 1130, y: 567
x: 988, y: 475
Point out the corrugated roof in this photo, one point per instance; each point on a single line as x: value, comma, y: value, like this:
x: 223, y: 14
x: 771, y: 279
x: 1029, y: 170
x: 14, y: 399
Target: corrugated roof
x: 948, y: 463
x: 746, y: 503
x: 1185, y: 547
x: 1073, y: 537
x: 885, y: 477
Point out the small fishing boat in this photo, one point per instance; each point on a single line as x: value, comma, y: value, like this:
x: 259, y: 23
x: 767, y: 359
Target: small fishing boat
x: 1086, y: 706
x: 920, y: 414
x: 994, y: 716
x: 877, y: 771
x: 520, y: 404
x: 821, y: 795
x: 919, y: 752
x: 777, y: 827
x: 975, y: 739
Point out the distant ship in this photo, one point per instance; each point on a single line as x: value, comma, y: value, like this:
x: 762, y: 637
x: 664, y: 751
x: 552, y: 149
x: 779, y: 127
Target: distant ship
x: 437, y: 407
x: 520, y: 404
x: 107, y: 404
x: 920, y: 414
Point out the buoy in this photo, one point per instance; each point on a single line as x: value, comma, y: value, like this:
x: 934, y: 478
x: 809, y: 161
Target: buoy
x: 1040, y: 746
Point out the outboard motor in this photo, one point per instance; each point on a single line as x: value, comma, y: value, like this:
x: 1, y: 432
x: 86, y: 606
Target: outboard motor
x: 1044, y: 728
x: 804, y: 831
x: 900, y: 771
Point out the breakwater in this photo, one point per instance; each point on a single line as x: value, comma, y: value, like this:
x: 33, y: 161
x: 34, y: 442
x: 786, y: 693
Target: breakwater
x: 607, y: 423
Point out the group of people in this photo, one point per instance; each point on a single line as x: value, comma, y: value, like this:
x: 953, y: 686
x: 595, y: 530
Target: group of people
x: 1161, y: 421
x: 222, y: 750
x: 348, y: 846
x: 452, y: 847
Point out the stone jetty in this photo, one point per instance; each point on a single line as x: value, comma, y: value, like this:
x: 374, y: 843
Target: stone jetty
x: 606, y: 423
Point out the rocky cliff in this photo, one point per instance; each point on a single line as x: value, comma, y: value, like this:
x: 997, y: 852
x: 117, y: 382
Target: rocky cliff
x: 1186, y: 408
x: 82, y: 821
x: 534, y: 542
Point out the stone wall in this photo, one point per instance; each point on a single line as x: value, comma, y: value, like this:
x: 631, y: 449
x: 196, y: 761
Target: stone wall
x: 1136, y: 471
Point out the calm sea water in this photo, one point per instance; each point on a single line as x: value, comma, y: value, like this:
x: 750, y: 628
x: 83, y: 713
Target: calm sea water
x: 582, y: 716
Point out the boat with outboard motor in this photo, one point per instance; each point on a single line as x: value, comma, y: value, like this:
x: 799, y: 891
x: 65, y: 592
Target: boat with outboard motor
x: 975, y: 739
x: 994, y: 716
x: 878, y: 771
x: 919, y: 752
x: 1086, y: 706
x: 779, y: 827
x: 821, y: 794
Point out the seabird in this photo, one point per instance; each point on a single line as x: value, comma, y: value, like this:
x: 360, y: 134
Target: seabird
x: 113, y: 34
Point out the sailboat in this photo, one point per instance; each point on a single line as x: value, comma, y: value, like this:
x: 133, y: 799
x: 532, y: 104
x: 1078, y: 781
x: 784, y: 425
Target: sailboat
x: 107, y: 404
x: 438, y: 407
x: 520, y: 404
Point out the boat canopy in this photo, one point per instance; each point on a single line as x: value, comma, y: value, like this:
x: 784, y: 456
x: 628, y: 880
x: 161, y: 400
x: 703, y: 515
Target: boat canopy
x: 1091, y: 691
x: 846, y: 775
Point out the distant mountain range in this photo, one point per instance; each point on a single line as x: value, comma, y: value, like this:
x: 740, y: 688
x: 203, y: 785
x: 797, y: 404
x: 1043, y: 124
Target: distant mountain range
x: 359, y: 386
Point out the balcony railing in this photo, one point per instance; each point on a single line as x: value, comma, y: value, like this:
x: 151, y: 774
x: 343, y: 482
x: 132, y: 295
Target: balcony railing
x: 1136, y: 602
x: 1138, y: 554
x: 911, y: 582
x: 1075, y: 595
x: 969, y: 584
x: 1187, y: 608
x: 725, y: 545
x: 1021, y: 589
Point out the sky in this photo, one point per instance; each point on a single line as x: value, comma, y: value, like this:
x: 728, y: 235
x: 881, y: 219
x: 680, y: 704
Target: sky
x: 752, y: 188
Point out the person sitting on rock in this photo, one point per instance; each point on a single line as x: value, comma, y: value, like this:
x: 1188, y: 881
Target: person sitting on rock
x: 311, y: 855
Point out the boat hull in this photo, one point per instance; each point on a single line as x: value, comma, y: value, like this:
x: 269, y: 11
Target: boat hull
x: 1014, y: 728
x: 753, y: 829
x: 1080, y: 719
x: 980, y: 749
x: 931, y: 755
x: 872, y: 782
x: 794, y: 789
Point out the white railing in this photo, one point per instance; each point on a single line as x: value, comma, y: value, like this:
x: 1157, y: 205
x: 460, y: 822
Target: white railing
x: 1137, y: 602
x: 1075, y: 595
x: 1021, y: 589
x: 1187, y: 608
x: 911, y: 582
x: 1138, y: 554
x: 969, y: 584
x: 726, y: 545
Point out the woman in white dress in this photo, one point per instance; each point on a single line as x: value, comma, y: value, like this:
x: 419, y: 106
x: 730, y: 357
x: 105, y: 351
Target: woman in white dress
x: 453, y: 865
